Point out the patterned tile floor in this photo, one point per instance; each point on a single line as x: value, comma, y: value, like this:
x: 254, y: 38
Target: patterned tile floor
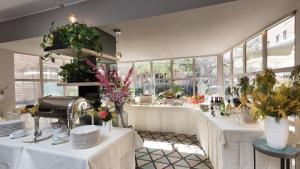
x: 170, y: 151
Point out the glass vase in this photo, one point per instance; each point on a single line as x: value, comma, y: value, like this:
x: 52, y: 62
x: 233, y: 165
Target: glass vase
x: 122, y: 117
x: 107, y: 127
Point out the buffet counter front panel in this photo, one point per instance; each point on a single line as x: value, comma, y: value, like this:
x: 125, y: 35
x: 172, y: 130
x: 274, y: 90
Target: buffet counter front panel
x: 115, y: 151
x: 160, y: 118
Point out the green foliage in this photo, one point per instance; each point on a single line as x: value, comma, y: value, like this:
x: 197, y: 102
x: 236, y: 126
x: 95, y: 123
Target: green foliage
x: 276, y: 101
x: 76, y: 36
x: 77, y: 71
x: 228, y: 92
x: 178, y: 89
x: 245, y: 90
x: 295, y: 74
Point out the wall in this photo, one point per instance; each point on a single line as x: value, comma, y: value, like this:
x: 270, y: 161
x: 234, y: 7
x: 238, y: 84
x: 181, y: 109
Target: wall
x: 7, y: 79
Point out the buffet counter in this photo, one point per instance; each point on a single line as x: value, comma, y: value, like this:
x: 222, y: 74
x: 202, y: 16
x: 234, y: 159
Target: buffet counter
x: 116, y: 150
x: 228, y: 143
x: 162, y: 118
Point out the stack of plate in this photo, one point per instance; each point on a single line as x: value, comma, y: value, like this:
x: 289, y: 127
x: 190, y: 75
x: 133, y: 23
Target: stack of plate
x: 7, y: 127
x: 85, y: 137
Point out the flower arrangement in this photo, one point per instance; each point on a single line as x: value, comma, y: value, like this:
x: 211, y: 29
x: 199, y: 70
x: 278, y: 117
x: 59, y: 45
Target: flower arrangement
x: 115, y: 89
x: 76, y: 36
x: 272, y: 100
x: 105, y: 115
x: 197, y: 99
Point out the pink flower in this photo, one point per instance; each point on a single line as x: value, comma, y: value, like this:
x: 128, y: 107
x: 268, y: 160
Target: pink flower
x: 114, y: 88
x: 103, y: 114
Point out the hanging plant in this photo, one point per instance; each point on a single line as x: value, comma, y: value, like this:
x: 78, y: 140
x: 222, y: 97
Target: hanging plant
x: 75, y: 36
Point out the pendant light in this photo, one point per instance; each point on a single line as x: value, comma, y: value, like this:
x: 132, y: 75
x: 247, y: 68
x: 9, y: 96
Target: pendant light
x: 72, y: 18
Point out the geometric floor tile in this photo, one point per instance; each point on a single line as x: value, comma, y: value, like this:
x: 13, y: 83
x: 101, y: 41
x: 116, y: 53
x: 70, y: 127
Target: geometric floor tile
x: 170, y: 151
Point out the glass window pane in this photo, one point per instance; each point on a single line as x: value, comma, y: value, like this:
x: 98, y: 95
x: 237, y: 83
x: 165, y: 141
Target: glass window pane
x: 185, y: 85
x: 51, y: 88
x: 27, y: 92
x: 71, y: 91
x: 237, y: 57
x: 227, y: 63
x: 227, y: 82
x: 26, y: 66
x: 206, y: 66
x: 143, y: 78
x: 283, y: 77
x: 281, y: 45
x: 51, y: 70
x: 207, y: 86
x: 161, y: 86
x: 254, y: 54
x: 183, y: 68
x: 123, y: 69
x: 162, y: 69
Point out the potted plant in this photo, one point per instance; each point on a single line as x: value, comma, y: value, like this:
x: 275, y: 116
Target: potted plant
x: 77, y: 71
x: 75, y: 36
x: 275, y: 103
x: 245, y: 89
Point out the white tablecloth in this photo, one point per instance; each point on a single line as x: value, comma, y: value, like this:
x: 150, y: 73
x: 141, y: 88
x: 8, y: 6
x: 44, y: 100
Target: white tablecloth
x: 229, y: 144
x: 115, y: 151
x: 177, y: 119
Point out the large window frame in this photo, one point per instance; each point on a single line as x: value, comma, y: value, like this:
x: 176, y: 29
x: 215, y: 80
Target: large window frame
x: 172, y: 79
x: 41, y: 80
x: 263, y: 33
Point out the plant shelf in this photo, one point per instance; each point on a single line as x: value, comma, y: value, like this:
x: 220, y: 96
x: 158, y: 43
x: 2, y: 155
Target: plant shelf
x: 79, y: 84
x: 64, y: 50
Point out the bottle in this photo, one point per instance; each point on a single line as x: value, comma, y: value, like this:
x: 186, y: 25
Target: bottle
x: 222, y: 106
x: 228, y: 108
x: 216, y: 105
x: 212, y: 103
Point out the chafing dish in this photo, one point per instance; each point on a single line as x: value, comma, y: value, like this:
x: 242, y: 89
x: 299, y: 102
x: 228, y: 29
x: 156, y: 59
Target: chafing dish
x: 66, y: 109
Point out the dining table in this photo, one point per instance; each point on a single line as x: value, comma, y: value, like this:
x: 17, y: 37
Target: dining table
x: 116, y: 150
x: 228, y: 141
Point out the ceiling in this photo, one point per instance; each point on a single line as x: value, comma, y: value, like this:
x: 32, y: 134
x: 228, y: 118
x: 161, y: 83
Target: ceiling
x: 203, y: 31
x: 12, y: 9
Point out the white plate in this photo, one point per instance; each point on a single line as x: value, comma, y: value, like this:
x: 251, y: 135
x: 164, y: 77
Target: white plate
x: 44, y: 136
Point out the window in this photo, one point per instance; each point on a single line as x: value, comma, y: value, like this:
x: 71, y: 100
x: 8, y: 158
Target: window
x: 123, y: 69
x: 161, y: 75
x: 186, y: 86
x: 158, y: 76
x: 283, y: 77
x: 143, y: 78
x: 51, y: 78
x: 162, y: 69
x: 254, y: 54
x: 237, y: 56
x: 206, y: 74
x: 281, y: 52
x: 183, y: 68
x: 35, y: 78
x: 227, y: 64
x: 284, y: 34
x: 27, y: 79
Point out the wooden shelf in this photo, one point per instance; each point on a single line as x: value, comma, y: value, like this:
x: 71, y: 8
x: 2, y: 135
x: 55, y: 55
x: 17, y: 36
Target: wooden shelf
x: 63, y: 50
x: 79, y: 84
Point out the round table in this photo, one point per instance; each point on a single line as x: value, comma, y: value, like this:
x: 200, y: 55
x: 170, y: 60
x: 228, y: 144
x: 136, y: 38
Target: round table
x: 285, y: 154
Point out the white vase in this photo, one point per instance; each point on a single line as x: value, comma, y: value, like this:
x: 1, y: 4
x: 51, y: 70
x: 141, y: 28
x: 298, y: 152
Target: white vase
x: 277, y: 132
